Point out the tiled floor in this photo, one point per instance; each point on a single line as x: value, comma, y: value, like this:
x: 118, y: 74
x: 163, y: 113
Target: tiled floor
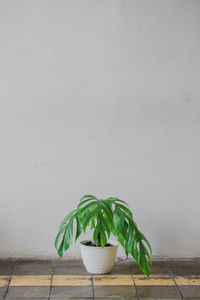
x: 63, y: 280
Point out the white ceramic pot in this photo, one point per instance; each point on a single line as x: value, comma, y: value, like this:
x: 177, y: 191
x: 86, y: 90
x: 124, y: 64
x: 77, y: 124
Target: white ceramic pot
x: 98, y: 260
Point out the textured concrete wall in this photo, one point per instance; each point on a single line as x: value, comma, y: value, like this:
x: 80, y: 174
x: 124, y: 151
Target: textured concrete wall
x: 99, y: 97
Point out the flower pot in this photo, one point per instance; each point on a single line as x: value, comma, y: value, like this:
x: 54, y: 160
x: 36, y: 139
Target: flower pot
x: 98, y: 260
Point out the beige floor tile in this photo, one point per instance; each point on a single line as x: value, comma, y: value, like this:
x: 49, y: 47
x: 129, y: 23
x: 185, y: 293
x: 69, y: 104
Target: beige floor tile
x: 113, y: 280
x: 187, y: 280
x: 31, y: 280
x: 163, y: 280
x: 4, y: 280
x: 71, y: 280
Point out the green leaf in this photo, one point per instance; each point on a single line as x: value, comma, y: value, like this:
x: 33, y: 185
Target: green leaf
x: 105, y: 226
x: 95, y: 234
x: 107, y: 209
x: 124, y: 208
x: 120, y: 239
x: 118, y: 221
x: 87, y: 197
x: 68, y: 235
x: 117, y: 200
x: 71, y: 215
x: 145, y: 239
x: 78, y: 228
x: 88, y: 219
x: 85, y: 201
x: 87, y: 208
x: 60, y: 249
x: 92, y: 224
x: 103, y: 238
x: 57, y: 240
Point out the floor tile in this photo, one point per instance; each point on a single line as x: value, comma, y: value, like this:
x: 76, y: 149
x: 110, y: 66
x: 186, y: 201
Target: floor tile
x: 184, y: 270
x: 155, y: 280
x: 6, y: 268
x: 158, y: 291
x: 28, y: 292
x: 71, y: 291
x: 33, y: 268
x: 135, y: 269
x: 157, y: 267
x: 174, y: 298
x: 185, y: 267
x: 113, y: 280
x: 70, y: 270
x: 121, y: 268
x: 71, y: 280
x: 29, y: 280
x: 69, y: 267
x: 67, y: 262
x: 43, y: 262
x: 192, y: 298
x: 190, y: 291
x: 117, y: 298
x: 79, y: 298
x: 4, y: 280
x: 3, y: 290
x: 114, y: 291
x: 35, y: 278
x: 187, y: 280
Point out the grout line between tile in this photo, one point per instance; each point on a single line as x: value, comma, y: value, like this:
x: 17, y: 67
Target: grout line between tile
x: 13, y: 272
x: 173, y: 277
x: 92, y: 286
x: 50, y: 287
x: 137, y: 294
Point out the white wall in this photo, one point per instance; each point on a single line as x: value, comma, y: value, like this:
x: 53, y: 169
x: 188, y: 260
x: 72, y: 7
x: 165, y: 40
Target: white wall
x: 99, y: 97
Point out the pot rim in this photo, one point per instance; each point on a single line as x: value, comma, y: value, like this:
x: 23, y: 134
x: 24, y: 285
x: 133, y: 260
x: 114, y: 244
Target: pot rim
x: 113, y: 244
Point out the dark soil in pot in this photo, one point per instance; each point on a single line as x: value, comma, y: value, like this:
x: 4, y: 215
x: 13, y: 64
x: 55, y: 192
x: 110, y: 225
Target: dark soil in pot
x: 94, y: 245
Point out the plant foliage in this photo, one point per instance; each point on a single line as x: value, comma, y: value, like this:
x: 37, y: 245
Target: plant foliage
x: 105, y: 217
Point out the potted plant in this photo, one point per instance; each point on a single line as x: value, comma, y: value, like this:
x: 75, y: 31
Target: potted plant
x: 104, y: 217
